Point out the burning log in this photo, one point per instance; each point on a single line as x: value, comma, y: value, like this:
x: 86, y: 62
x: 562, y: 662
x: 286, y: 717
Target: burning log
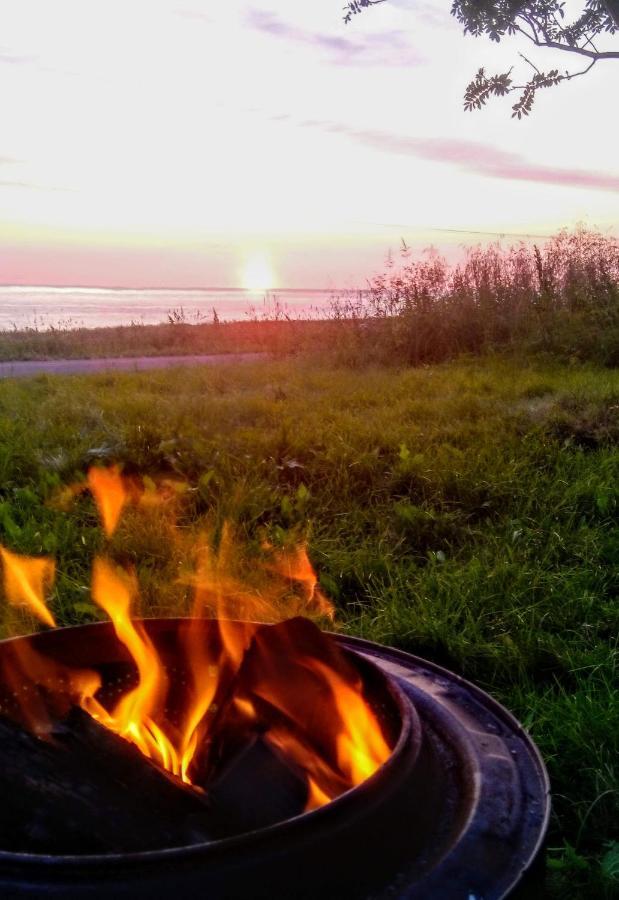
x: 86, y: 790
x: 257, y: 788
x: 304, y: 698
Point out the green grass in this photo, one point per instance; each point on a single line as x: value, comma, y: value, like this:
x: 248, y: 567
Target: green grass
x: 466, y: 512
x: 167, y: 339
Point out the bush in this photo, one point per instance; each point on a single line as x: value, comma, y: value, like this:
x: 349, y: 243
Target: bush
x: 562, y: 298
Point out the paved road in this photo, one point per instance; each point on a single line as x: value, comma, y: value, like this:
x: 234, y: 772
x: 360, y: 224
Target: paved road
x: 22, y: 368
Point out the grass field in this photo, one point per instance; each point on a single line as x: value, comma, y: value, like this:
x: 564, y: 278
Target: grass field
x: 465, y: 511
x: 167, y: 339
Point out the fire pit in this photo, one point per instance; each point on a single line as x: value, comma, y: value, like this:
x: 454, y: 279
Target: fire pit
x: 217, y: 757
x: 458, y: 809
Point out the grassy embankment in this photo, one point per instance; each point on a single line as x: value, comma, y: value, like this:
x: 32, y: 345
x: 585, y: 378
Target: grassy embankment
x: 464, y: 511
x: 168, y: 339
x: 561, y: 299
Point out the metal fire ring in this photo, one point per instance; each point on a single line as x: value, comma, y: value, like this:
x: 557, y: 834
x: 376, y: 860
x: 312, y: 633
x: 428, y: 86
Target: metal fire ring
x: 458, y: 812
x: 497, y: 851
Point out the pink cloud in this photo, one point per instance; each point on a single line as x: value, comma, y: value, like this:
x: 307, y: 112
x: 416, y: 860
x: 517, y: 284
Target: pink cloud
x: 380, y: 49
x: 12, y: 59
x: 478, y: 158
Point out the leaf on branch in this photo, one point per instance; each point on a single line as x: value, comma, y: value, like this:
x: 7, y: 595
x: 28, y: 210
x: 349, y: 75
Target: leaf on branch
x: 478, y: 91
x: 542, y: 22
x: 527, y: 98
x: 354, y: 7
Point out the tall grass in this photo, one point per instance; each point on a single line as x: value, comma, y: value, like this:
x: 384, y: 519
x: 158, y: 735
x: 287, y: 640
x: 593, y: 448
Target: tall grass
x: 177, y: 337
x: 561, y: 298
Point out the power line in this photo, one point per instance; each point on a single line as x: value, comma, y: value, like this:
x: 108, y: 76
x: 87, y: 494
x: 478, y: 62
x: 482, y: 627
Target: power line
x: 463, y: 231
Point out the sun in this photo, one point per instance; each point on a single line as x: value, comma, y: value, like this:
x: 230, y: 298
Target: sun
x: 258, y: 273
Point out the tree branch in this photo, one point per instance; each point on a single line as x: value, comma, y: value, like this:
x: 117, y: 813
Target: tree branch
x: 533, y: 66
x: 543, y: 23
x: 570, y: 75
x: 580, y: 51
x: 532, y: 37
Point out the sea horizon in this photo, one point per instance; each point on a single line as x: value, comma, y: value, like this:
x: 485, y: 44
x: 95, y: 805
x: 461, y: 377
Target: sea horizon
x: 244, y: 290
x: 46, y: 307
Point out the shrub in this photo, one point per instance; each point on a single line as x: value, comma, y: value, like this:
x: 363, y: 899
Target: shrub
x: 562, y: 298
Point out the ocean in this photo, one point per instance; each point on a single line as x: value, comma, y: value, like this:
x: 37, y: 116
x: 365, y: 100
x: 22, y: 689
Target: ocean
x: 66, y: 307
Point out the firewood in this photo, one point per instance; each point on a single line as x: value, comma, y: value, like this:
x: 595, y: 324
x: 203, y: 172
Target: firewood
x: 279, y: 673
x: 256, y: 788
x: 86, y: 790
x: 254, y: 780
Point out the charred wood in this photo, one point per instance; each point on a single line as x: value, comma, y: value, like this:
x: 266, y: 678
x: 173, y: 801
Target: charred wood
x: 86, y: 790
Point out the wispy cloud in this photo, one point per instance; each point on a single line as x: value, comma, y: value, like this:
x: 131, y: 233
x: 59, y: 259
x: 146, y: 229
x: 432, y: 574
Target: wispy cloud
x: 473, y: 157
x: 424, y: 11
x: 387, y: 48
x: 13, y: 59
x: 193, y: 14
x: 31, y: 186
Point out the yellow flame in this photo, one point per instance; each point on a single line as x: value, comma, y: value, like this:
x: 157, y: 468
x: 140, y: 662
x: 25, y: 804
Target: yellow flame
x: 316, y: 797
x: 134, y: 715
x: 361, y: 747
x: 108, y: 489
x: 213, y: 590
x: 25, y: 581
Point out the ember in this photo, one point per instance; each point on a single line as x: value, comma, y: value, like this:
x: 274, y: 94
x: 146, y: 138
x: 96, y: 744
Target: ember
x: 242, y: 702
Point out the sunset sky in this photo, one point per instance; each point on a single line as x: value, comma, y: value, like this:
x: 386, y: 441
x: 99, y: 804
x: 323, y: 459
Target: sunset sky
x: 185, y: 143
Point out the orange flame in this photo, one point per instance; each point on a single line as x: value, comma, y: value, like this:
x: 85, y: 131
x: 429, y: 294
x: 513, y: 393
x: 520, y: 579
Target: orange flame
x: 325, y: 724
x: 217, y: 592
x: 45, y: 688
x: 108, y: 489
x: 134, y: 715
x: 113, y: 491
x: 290, y: 682
x: 25, y: 581
x: 361, y: 747
x: 294, y: 564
